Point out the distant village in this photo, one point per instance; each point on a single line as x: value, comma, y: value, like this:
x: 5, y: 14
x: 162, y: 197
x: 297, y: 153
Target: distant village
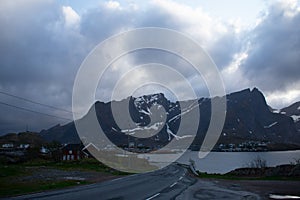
x: 249, y: 146
x: 13, y: 153
x: 59, y: 152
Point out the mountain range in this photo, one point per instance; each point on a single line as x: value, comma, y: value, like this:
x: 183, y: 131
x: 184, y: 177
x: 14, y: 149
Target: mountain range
x: 248, y: 118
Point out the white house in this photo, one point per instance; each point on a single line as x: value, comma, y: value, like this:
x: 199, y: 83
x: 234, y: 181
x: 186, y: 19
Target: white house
x: 9, y: 145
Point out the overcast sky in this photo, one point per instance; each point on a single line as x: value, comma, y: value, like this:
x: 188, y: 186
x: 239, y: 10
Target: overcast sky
x: 43, y: 43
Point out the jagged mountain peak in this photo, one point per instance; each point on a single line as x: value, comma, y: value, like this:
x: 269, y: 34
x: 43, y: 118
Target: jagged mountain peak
x: 248, y: 118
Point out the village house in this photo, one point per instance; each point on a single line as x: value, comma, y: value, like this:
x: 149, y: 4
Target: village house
x: 24, y: 146
x: 73, y: 152
x: 8, y: 145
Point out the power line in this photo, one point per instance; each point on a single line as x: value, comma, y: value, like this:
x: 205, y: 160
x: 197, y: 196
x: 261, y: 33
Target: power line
x: 35, y: 102
x: 33, y: 111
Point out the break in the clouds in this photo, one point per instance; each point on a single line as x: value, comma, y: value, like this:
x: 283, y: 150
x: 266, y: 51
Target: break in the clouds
x: 43, y: 43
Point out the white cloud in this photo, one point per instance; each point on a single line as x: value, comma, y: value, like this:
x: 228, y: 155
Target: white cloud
x: 72, y: 19
x: 290, y: 7
x: 193, y: 21
x: 279, y: 98
x: 113, y: 5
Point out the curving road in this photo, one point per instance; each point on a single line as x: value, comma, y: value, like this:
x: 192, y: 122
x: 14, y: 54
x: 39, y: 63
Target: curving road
x: 166, y: 183
x: 172, y: 182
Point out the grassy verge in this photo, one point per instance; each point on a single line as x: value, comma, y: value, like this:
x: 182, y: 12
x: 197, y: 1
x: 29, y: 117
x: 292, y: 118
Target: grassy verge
x: 25, y: 188
x: 12, y: 182
x: 83, y: 165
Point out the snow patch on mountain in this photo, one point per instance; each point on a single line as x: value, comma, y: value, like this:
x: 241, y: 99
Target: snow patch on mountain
x: 296, y: 118
x: 269, y: 126
x: 148, y: 112
x: 185, y: 111
x: 140, y: 101
x: 276, y: 111
x: 170, y: 133
x: 154, y: 126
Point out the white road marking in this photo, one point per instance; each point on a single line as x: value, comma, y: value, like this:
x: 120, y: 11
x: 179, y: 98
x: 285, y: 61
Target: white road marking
x: 152, y: 197
x: 173, y: 184
x: 181, y: 178
x: 117, y: 179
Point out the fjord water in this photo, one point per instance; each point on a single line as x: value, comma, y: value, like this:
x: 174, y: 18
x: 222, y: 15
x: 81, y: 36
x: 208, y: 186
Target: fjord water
x: 223, y: 162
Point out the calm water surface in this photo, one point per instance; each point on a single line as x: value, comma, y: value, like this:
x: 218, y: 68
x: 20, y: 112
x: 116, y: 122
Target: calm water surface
x: 222, y: 162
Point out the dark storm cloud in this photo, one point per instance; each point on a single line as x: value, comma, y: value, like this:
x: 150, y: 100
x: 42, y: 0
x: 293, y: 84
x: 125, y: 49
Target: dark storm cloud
x: 39, y: 59
x: 273, y: 61
x: 224, y: 49
x: 42, y: 45
x: 40, y: 53
x: 34, y: 53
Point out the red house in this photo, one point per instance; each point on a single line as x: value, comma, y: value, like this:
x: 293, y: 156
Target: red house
x: 73, y: 152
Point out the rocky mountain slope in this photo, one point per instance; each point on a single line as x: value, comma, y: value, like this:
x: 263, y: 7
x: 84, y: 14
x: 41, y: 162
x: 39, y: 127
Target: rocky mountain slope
x: 293, y: 111
x: 248, y: 118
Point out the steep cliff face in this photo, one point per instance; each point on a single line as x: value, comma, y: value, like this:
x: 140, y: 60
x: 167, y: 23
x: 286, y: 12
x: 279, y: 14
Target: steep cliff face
x: 248, y: 117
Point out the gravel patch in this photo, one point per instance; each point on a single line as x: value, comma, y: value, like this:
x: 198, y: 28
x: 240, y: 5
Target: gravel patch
x: 51, y: 174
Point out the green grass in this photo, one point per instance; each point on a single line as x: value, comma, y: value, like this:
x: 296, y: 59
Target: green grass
x: 10, y: 175
x: 10, y: 170
x: 25, y: 188
x: 10, y: 184
x: 88, y: 164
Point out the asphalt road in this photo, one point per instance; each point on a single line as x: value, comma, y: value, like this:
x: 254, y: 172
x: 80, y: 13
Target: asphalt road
x: 167, y: 183
x: 172, y: 182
